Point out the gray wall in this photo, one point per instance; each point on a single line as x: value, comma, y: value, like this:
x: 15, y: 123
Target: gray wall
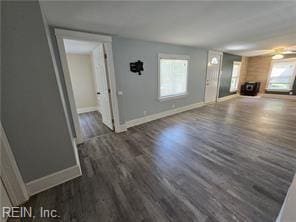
x: 32, y: 107
x: 0, y: 56
x: 141, y: 92
x: 225, y: 80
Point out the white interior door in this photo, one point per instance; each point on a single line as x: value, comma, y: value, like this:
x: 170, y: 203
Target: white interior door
x: 103, y: 95
x: 213, y: 74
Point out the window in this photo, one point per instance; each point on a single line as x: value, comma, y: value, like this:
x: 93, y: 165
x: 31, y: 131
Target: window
x: 173, y: 71
x: 235, y: 76
x: 282, y: 75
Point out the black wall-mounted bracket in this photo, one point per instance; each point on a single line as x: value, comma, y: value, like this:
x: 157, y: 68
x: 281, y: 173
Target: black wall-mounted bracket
x: 137, y: 67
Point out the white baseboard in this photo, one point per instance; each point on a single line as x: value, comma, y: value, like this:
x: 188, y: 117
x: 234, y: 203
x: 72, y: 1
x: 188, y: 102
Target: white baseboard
x: 49, y: 181
x: 87, y: 109
x: 76, y: 153
x: 279, y: 96
x: 227, y: 97
x: 122, y: 128
x: 149, y: 118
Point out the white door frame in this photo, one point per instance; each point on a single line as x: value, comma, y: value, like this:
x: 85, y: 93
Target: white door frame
x: 62, y: 34
x: 10, y: 174
x: 219, y: 76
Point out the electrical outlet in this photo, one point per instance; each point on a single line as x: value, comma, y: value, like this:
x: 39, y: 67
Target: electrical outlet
x: 145, y: 112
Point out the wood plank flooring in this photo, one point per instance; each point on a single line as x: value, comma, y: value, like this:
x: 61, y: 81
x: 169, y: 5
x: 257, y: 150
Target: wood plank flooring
x: 231, y: 161
x: 92, y: 125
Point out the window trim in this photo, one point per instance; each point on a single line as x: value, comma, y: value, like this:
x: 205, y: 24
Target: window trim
x: 240, y: 63
x: 269, y: 74
x: 177, y: 57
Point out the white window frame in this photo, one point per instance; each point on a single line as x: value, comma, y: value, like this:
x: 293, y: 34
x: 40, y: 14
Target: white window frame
x: 270, y: 70
x: 238, y: 77
x: 177, y: 57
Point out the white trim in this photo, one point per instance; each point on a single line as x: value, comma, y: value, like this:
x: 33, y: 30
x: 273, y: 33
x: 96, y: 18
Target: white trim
x: 69, y: 34
x: 211, y: 102
x: 173, y: 56
x: 217, y: 52
x: 54, y: 179
x: 57, y: 178
x: 177, y: 96
x: 107, y: 45
x: 149, y: 118
x: 10, y: 173
x: 87, y: 109
x: 279, y: 96
x: 66, y: 72
x: 122, y: 128
x: 227, y: 97
x: 76, y: 154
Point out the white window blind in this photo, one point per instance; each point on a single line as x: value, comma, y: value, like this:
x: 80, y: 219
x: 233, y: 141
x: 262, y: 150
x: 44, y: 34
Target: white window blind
x: 172, y: 76
x: 282, y: 75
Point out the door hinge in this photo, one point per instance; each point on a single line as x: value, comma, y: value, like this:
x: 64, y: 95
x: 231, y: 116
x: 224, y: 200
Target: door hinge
x: 112, y: 120
x: 105, y: 56
x: 109, y: 90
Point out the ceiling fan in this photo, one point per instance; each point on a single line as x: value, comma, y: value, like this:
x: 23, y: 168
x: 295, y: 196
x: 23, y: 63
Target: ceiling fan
x: 276, y: 53
x: 280, y: 52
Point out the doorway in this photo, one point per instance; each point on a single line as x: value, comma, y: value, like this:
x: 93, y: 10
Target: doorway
x: 89, y: 76
x: 213, y: 76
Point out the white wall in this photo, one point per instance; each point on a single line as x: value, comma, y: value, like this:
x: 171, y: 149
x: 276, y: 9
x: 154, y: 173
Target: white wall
x: 83, y: 82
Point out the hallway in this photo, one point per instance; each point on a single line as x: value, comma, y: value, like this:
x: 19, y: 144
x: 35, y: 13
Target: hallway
x: 92, y: 125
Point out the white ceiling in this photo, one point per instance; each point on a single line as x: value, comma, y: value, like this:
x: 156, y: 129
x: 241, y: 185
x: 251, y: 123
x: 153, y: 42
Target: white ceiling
x: 79, y: 47
x: 239, y: 27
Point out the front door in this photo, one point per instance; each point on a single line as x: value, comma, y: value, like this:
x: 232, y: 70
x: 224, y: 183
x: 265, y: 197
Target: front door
x: 213, y: 75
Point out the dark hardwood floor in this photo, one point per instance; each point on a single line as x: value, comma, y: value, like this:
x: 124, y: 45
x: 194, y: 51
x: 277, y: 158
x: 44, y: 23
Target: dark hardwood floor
x: 92, y: 125
x: 231, y: 161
